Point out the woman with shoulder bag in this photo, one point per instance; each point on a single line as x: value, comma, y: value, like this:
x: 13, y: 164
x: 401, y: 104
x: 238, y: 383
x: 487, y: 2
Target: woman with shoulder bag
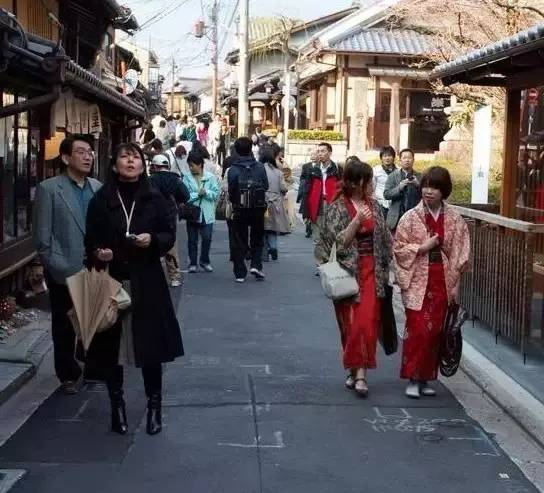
x: 276, y: 220
x: 432, y: 249
x: 355, y: 224
x: 203, y: 193
x: 129, y: 228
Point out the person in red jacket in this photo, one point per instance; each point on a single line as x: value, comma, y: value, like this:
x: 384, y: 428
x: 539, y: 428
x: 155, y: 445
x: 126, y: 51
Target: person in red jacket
x: 324, y: 182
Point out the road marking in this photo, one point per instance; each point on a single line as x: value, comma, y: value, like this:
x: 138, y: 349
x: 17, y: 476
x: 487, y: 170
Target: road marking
x: 77, y: 417
x: 266, y: 368
x: 278, y: 435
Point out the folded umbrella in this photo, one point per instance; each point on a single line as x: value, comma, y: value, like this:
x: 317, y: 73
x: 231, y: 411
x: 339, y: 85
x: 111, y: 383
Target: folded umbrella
x: 95, y: 309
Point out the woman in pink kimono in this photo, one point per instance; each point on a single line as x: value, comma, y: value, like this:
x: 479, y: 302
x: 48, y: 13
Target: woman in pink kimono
x: 431, y: 251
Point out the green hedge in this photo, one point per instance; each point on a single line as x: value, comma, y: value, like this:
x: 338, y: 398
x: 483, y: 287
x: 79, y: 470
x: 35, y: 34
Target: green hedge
x: 461, y: 176
x: 323, y: 135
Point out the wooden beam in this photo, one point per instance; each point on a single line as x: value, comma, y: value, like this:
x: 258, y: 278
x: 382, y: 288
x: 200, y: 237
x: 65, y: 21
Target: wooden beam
x: 510, y: 153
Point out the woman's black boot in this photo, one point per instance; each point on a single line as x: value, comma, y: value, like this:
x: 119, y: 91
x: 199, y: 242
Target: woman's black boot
x: 154, y: 414
x: 118, y: 413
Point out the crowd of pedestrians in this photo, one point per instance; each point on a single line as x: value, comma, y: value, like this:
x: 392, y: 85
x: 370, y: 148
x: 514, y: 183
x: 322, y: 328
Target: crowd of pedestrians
x: 384, y: 223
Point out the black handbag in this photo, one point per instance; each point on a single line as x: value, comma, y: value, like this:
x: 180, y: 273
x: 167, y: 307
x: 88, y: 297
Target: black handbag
x: 451, y: 346
x: 190, y: 212
x: 388, y: 336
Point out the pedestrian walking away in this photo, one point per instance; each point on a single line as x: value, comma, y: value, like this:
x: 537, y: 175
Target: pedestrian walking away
x: 176, y: 193
x: 203, y: 193
x: 262, y: 139
x: 58, y: 235
x: 355, y: 224
x: 381, y: 173
x: 189, y: 133
x: 431, y: 249
x: 402, y: 188
x: 213, y: 135
x: 227, y: 163
x: 223, y: 143
x: 324, y: 180
x: 276, y: 219
x: 247, y: 185
x: 177, y: 156
x: 202, y: 133
x: 129, y: 229
x: 303, y: 190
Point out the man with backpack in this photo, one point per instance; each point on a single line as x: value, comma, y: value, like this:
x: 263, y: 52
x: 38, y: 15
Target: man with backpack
x: 247, y: 185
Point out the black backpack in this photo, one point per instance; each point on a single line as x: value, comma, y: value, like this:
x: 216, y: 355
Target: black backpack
x: 252, y: 192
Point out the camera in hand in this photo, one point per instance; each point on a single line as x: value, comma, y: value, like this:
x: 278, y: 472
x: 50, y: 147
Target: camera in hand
x: 410, y: 175
x: 131, y: 238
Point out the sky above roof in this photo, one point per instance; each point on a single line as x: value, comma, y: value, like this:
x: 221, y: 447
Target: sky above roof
x: 167, y: 26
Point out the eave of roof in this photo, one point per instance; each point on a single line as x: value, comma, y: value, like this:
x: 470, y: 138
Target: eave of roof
x: 34, y: 58
x: 522, y: 42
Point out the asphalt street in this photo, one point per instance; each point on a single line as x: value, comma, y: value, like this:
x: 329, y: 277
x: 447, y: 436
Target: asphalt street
x: 258, y: 405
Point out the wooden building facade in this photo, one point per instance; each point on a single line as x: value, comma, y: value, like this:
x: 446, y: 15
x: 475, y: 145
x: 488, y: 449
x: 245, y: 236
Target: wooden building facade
x: 44, y: 95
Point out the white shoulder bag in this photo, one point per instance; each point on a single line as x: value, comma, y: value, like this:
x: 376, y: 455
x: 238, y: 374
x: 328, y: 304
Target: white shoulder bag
x: 337, y: 282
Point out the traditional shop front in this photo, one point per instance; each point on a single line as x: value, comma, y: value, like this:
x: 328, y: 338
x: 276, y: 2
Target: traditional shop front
x: 44, y: 95
x: 506, y: 283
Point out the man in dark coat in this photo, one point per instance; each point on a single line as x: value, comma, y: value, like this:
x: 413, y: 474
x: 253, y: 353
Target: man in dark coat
x: 304, y: 188
x: 247, y: 184
x: 175, y: 192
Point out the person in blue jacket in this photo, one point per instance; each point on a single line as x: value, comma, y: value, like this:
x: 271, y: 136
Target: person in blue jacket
x: 203, y: 192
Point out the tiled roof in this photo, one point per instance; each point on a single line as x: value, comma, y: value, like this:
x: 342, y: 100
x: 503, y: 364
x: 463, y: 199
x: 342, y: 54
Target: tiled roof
x: 522, y: 41
x: 78, y: 77
x: 379, y: 40
x: 262, y: 28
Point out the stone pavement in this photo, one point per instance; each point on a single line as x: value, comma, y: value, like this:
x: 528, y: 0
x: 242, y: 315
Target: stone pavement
x: 258, y: 405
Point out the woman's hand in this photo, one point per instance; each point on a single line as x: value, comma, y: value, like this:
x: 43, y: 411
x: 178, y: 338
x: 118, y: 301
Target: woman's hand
x: 363, y: 214
x: 104, y: 255
x: 143, y: 240
x: 429, y: 244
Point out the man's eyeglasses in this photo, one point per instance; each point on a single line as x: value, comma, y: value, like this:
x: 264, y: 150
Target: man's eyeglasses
x: 84, y: 152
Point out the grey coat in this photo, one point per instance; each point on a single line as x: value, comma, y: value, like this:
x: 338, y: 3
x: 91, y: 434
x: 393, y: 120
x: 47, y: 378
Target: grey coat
x: 276, y: 218
x: 393, y: 193
x: 59, y: 227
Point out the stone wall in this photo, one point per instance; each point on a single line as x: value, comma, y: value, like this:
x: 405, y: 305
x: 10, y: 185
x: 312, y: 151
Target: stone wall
x: 297, y: 152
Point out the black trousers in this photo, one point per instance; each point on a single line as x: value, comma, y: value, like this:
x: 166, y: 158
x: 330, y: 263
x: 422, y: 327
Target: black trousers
x: 152, y: 376
x: 221, y: 154
x: 62, y: 331
x: 247, y: 225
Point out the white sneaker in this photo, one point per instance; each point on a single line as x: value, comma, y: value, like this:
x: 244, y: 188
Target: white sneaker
x: 175, y: 284
x: 259, y: 274
x: 426, y: 390
x: 412, y: 391
x: 240, y: 279
x: 192, y: 269
x: 207, y: 267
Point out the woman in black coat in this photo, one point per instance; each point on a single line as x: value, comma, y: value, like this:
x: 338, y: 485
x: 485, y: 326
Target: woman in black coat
x: 129, y: 228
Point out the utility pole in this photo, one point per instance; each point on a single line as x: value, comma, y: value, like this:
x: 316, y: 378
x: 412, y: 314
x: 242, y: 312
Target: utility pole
x: 243, y: 74
x: 215, y: 56
x: 286, y: 90
x: 172, y: 90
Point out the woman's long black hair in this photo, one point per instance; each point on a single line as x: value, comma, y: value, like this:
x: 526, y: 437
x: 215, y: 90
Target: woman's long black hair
x: 112, y: 180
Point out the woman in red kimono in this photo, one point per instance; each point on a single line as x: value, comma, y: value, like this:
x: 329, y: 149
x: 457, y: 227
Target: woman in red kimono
x: 431, y: 251
x: 355, y: 223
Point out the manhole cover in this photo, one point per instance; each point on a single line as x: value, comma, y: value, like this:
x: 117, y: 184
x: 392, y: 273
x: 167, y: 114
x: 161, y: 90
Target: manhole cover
x: 453, y: 423
x: 430, y: 437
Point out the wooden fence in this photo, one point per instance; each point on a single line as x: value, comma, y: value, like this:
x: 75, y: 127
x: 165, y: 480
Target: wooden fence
x: 498, y: 289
